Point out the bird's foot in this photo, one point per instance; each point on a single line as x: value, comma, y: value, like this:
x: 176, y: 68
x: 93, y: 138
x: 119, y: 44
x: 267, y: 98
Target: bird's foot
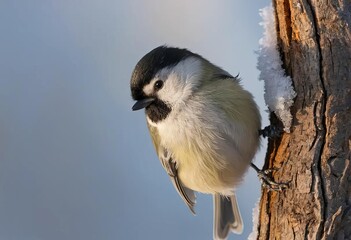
x: 267, y: 181
x: 271, y: 131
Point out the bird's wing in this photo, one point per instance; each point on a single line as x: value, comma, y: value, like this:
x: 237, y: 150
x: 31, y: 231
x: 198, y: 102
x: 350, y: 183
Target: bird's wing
x: 169, y: 165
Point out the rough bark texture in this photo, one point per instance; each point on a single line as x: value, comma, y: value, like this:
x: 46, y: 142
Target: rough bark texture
x: 315, y: 43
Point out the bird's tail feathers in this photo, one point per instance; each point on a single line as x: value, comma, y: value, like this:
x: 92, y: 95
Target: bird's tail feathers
x: 226, y: 216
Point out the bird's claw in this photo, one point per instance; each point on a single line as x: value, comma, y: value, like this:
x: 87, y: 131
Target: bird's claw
x: 266, y: 179
x: 268, y: 182
x: 268, y: 171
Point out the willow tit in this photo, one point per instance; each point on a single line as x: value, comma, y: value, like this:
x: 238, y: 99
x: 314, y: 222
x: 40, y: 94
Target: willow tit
x: 204, y: 127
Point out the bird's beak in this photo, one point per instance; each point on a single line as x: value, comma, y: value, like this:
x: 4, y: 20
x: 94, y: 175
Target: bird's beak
x: 143, y: 103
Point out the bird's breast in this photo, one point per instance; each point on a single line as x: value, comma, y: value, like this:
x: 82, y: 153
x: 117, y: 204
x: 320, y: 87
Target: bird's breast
x: 207, y: 159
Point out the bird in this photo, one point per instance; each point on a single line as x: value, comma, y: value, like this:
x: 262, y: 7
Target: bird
x: 204, y: 127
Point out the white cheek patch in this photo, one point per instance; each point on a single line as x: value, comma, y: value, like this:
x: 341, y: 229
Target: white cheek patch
x: 173, y: 89
x: 179, y: 81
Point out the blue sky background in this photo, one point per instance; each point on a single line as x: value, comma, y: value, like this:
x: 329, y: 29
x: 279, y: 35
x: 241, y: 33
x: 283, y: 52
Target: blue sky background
x: 75, y: 161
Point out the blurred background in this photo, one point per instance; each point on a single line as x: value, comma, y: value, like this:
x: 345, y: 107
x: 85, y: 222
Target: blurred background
x: 75, y: 161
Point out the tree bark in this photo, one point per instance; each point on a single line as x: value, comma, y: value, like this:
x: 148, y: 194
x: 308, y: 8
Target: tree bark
x: 314, y: 38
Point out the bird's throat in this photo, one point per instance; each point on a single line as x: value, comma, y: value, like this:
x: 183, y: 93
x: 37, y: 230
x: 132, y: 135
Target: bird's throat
x: 158, y: 111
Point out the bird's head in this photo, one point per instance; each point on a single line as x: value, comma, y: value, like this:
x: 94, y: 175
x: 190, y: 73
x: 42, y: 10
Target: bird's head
x: 164, y: 79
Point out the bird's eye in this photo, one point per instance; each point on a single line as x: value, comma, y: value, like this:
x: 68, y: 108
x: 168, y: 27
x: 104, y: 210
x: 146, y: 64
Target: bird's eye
x: 158, y: 85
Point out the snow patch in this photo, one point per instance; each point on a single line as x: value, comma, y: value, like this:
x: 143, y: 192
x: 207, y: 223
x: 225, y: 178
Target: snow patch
x: 255, y: 218
x: 279, y: 92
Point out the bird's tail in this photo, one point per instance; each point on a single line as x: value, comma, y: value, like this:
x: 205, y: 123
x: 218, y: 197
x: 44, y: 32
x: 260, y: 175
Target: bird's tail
x: 226, y: 216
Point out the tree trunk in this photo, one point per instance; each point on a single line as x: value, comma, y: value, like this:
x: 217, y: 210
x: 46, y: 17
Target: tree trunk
x: 314, y: 38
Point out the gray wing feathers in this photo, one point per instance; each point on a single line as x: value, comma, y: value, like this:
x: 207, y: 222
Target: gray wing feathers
x: 185, y: 193
x: 226, y: 217
x: 169, y: 165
